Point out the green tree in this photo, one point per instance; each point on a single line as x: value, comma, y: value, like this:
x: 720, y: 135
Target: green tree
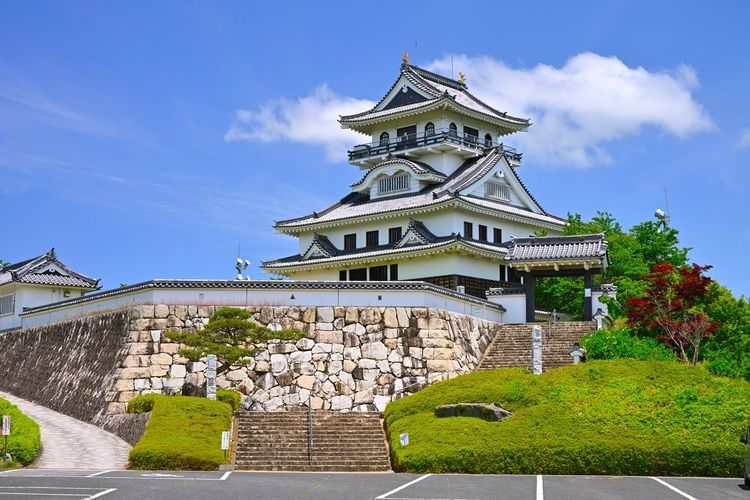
x: 727, y: 351
x: 631, y: 256
x: 232, y: 335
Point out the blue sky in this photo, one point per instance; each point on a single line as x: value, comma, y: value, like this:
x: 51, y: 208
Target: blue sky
x: 149, y: 139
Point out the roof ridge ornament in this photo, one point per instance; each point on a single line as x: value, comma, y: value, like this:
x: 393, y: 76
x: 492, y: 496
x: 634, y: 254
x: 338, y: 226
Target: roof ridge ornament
x: 461, y: 78
x: 405, y: 58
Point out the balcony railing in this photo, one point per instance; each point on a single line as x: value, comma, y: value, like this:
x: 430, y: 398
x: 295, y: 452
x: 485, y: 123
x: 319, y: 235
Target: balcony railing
x: 410, y: 141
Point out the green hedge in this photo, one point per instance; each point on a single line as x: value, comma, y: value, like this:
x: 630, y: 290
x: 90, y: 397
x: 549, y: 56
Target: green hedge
x: 619, y: 417
x: 232, y: 398
x: 24, y: 440
x: 619, y: 343
x: 183, y: 433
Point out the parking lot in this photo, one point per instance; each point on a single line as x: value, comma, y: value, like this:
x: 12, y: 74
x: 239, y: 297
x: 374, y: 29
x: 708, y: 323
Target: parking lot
x: 119, y: 484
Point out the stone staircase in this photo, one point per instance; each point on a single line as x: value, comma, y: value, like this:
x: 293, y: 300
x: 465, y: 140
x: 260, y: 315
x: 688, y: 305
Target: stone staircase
x: 511, y: 346
x: 341, y: 442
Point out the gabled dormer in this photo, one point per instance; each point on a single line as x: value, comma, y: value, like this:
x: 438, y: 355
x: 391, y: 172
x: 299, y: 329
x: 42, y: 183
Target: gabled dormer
x: 416, y: 234
x: 321, y: 247
x: 396, y: 177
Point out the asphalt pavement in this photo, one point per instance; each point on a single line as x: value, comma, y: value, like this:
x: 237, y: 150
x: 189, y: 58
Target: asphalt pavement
x: 43, y: 484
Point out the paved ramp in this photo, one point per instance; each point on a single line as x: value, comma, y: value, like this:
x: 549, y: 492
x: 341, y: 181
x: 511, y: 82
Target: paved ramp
x: 68, y: 443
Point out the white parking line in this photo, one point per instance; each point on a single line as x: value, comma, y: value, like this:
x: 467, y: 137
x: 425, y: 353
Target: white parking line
x: 99, y: 473
x: 100, y: 494
x: 395, y: 490
x: 676, y: 490
x: 225, y: 476
x: 539, y: 487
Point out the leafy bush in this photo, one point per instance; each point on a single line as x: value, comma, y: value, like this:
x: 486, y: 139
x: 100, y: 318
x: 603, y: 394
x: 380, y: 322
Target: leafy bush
x: 621, y: 417
x: 618, y: 343
x: 24, y: 440
x: 232, y: 398
x: 183, y: 433
x: 143, y: 403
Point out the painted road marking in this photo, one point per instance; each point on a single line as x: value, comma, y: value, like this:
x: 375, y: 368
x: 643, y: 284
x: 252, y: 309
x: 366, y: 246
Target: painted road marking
x: 100, y: 494
x: 539, y: 487
x: 676, y: 490
x: 396, y: 490
x: 99, y: 473
x: 225, y: 476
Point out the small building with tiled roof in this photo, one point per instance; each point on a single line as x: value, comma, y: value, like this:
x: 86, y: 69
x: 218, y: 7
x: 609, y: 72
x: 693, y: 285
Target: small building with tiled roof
x: 441, y: 199
x: 35, y: 282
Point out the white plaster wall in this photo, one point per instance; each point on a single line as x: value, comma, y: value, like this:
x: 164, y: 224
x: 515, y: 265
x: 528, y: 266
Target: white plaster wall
x: 278, y: 297
x: 515, y: 307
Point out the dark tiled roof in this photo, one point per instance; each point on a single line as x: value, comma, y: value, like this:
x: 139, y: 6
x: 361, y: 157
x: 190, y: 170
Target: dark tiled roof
x: 263, y: 285
x: 323, y: 245
x: 31, y: 271
x: 356, y: 205
x: 590, y: 246
x: 440, y: 89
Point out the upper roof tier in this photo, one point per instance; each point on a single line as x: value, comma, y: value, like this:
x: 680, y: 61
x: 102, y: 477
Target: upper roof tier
x: 46, y: 270
x: 418, y: 91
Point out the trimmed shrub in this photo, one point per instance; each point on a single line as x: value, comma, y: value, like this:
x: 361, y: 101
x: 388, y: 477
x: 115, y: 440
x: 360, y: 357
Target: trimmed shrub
x: 621, y: 417
x: 232, y: 398
x: 183, y: 433
x: 143, y: 403
x: 24, y: 440
x: 619, y: 343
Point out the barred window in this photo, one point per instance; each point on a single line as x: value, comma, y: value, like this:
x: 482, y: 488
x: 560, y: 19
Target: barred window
x: 384, y: 139
x: 398, y: 182
x: 497, y: 190
x: 7, y: 303
x: 429, y: 129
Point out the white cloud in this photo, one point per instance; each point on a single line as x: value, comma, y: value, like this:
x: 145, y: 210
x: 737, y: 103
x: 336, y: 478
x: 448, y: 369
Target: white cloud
x: 311, y: 119
x: 590, y: 100
x: 576, y: 109
x: 744, y: 140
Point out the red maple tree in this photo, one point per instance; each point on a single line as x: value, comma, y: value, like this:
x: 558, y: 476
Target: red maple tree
x: 670, y: 308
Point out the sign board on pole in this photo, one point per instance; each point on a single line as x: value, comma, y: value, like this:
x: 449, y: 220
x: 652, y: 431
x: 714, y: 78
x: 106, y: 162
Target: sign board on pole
x: 404, y: 439
x: 225, y: 440
x: 211, y: 377
x: 6, y: 425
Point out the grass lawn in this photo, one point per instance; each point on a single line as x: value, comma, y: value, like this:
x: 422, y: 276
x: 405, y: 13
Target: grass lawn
x: 24, y: 440
x: 620, y: 417
x: 183, y: 433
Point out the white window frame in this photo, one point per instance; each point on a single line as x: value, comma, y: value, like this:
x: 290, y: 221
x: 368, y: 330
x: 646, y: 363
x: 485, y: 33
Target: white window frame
x: 12, y: 302
x: 497, y: 190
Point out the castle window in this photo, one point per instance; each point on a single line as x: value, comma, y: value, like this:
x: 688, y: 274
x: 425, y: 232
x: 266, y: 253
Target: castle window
x: 487, y: 141
x: 497, y: 190
x: 385, y: 139
x: 342, y: 275
x: 358, y: 274
x: 394, y: 235
x: 471, y: 135
x: 379, y: 273
x: 399, y: 182
x: 468, y: 230
x: 429, y: 129
x: 452, y: 130
x: 394, y: 272
x: 7, y: 304
x: 350, y: 241
x: 372, y: 238
x: 497, y: 235
x: 482, y: 233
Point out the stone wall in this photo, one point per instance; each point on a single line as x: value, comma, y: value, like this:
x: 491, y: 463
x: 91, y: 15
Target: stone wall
x: 71, y: 368
x: 353, y: 358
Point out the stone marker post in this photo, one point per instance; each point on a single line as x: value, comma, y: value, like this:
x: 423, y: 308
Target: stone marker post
x: 536, y: 349
x: 211, y: 377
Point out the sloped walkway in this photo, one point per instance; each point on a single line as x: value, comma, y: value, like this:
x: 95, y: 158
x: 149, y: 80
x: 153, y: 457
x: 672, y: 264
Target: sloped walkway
x: 68, y: 443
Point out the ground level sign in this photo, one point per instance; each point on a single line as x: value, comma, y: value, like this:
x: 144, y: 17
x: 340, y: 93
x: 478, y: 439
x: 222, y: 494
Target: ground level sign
x: 6, y: 425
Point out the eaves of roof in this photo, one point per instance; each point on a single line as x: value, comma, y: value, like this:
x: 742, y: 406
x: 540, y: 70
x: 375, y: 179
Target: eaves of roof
x: 444, y: 245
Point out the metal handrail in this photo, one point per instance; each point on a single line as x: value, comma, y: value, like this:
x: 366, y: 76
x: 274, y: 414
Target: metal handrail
x: 309, y: 435
x: 408, y: 141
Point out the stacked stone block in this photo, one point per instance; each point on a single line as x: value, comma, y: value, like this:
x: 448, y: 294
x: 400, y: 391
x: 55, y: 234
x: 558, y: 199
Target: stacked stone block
x: 352, y: 358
